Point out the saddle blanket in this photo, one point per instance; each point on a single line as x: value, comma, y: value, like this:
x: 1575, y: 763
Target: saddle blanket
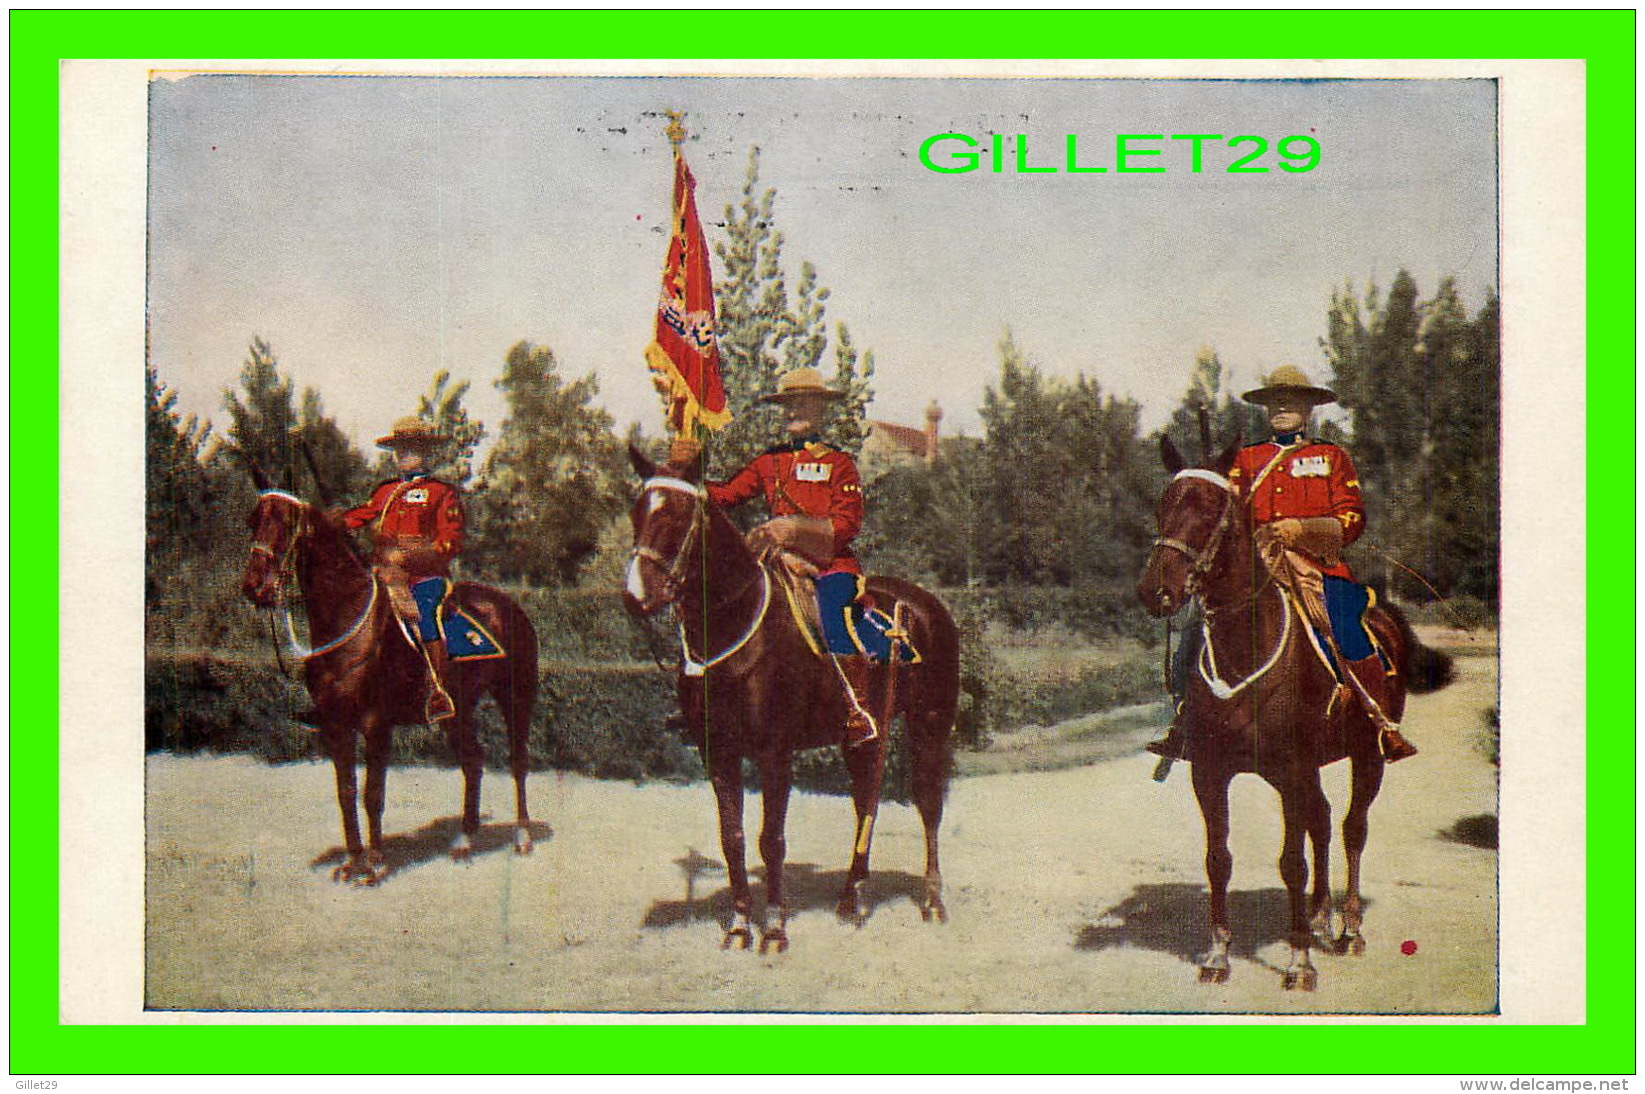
x: 466, y: 640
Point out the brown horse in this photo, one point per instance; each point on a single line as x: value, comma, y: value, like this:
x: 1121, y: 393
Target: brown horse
x: 1261, y: 699
x: 365, y: 676
x: 753, y: 682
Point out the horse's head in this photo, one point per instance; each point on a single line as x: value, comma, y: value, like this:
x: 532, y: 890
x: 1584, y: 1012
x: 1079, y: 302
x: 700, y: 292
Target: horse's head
x: 668, y: 518
x: 278, y: 522
x: 1195, y: 515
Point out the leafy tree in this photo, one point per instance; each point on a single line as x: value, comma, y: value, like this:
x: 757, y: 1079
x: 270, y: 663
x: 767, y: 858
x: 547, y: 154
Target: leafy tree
x: 1068, y: 484
x: 554, y: 480
x: 926, y: 521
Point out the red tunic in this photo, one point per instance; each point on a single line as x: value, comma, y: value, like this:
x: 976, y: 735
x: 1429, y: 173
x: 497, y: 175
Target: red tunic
x: 422, y: 508
x: 810, y: 479
x: 1307, y: 479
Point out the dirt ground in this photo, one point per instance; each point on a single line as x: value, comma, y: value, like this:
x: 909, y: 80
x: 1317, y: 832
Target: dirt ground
x: 1069, y: 891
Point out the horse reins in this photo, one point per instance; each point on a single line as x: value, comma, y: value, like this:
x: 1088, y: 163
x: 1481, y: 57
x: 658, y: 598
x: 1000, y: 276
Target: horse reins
x: 673, y: 569
x: 1200, y: 559
x: 281, y: 564
x: 1200, y: 562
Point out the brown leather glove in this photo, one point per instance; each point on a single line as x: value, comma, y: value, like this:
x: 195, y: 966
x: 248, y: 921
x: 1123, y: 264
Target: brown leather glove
x: 1320, y: 537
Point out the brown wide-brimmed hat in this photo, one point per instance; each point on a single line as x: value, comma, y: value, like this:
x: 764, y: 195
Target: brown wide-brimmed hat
x: 1289, y: 380
x: 412, y: 433
x: 801, y: 381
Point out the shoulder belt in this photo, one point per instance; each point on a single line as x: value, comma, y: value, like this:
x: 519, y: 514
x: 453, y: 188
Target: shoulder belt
x: 1284, y: 451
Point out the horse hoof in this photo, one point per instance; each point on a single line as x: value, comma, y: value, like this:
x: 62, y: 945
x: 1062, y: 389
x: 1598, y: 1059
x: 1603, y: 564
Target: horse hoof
x: 1305, y: 980
x: 522, y: 845
x: 774, y: 940
x: 742, y: 936
x: 1213, y: 975
x: 1351, y: 944
x: 848, y: 911
x: 933, y: 909
x: 464, y: 855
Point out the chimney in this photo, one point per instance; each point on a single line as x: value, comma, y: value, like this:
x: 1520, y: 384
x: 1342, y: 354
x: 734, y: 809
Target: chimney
x: 933, y: 415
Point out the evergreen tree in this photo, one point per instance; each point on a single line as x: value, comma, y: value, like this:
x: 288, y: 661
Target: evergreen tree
x: 764, y: 333
x: 554, y: 480
x: 343, y: 470
x: 177, y: 490
x: 443, y: 407
x: 263, y: 426
x: 1422, y: 383
x: 1230, y: 417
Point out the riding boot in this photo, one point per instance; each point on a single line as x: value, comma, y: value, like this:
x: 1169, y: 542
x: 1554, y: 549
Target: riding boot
x: 859, y: 724
x: 440, y: 706
x: 1372, y: 677
x: 1172, y: 746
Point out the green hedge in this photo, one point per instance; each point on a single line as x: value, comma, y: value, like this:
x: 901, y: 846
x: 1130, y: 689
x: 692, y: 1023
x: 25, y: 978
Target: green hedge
x: 213, y: 683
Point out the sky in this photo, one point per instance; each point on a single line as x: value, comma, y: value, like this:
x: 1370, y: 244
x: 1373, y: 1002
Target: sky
x: 375, y: 229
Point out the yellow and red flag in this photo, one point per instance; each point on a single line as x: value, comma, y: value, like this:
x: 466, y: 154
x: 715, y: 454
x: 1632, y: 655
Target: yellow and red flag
x: 684, y: 357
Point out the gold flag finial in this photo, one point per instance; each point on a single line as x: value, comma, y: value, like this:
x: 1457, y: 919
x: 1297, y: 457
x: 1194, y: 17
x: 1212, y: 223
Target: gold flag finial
x: 676, y: 128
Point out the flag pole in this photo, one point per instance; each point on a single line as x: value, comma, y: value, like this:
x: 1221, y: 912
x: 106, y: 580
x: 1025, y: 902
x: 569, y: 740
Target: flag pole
x: 676, y: 133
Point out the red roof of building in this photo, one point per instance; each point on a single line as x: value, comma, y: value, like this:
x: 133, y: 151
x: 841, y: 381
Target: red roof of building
x: 905, y: 436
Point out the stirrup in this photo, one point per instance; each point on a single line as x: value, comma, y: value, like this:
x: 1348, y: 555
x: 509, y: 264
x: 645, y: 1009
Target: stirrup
x: 439, y: 706
x: 309, y: 720
x: 1394, y: 746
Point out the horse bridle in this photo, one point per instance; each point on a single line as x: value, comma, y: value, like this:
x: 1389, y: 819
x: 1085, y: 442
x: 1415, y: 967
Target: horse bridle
x: 673, y: 568
x: 1201, y: 559
x: 283, y: 558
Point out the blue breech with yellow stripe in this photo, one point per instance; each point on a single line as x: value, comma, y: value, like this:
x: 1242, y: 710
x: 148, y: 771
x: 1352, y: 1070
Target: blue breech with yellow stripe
x: 1345, y: 603
x: 847, y: 628
x: 428, y: 593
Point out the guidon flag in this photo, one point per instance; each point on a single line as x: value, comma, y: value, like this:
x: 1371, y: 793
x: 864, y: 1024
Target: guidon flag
x: 684, y: 357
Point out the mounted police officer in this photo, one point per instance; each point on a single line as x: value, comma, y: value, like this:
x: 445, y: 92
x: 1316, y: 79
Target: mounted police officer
x: 806, y: 477
x: 416, y: 525
x: 1305, y: 507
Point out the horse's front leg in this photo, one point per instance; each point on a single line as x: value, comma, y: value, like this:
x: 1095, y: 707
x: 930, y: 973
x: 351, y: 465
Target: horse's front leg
x: 1295, y: 803
x: 776, y: 775
x: 378, y: 739
x: 726, y: 773
x: 1356, y: 830
x: 465, y: 748
x: 1211, y: 790
x: 341, y: 746
x: 1318, y: 812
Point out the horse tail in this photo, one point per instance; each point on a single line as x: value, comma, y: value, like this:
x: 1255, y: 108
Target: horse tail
x: 1424, y: 669
x: 930, y: 698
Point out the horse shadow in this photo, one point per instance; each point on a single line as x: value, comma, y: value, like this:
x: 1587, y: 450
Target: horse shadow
x: 1172, y: 919
x: 1479, y: 830
x: 433, y: 841
x: 808, y: 889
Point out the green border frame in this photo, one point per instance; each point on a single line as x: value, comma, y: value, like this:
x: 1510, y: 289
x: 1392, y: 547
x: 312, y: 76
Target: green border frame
x: 1605, y: 39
